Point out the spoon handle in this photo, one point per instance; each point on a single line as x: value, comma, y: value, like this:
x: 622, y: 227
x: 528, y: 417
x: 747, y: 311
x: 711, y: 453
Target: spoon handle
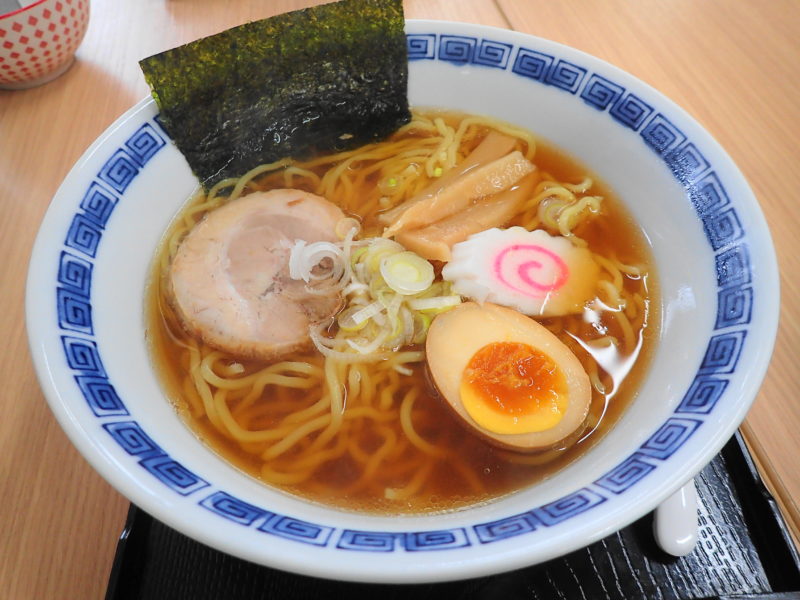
x: 675, y: 521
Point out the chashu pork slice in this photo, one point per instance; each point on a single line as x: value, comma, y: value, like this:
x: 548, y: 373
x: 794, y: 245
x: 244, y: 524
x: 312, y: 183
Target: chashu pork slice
x: 230, y: 277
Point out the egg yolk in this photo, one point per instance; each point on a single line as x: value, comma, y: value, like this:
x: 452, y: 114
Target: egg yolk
x: 510, y: 387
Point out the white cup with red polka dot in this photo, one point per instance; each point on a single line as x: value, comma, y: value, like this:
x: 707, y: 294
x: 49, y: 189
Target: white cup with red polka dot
x: 38, y: 39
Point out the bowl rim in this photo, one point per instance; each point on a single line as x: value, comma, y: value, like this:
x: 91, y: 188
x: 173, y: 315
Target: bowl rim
x: 501, y: 558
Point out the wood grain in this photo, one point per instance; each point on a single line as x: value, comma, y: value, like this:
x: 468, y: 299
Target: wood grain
x: 732, y: 64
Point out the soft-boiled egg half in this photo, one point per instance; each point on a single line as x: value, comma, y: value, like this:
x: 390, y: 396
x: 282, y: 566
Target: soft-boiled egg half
x: 507, y: 377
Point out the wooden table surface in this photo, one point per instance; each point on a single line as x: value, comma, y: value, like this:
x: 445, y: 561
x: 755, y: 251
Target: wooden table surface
x: 733, y: 64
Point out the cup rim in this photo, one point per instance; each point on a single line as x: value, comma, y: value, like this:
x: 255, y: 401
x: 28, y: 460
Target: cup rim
x: 22, y: 9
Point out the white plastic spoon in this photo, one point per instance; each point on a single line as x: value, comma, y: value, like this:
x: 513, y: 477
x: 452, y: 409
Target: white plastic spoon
x: 675, y: 521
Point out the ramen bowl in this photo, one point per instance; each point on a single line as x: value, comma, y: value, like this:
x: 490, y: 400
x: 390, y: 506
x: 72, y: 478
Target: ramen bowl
x: 719, y: 295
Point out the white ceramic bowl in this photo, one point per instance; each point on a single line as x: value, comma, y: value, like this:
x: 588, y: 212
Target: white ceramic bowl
x: 719, y: 288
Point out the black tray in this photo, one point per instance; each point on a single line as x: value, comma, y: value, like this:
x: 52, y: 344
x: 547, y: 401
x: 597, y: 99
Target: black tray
x: 744, y: 551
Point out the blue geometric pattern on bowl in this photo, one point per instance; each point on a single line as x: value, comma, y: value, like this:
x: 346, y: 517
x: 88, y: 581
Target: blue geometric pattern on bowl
x: 723, y: 228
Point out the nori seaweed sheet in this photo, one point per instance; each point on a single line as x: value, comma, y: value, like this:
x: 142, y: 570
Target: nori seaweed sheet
x: 326, y: 78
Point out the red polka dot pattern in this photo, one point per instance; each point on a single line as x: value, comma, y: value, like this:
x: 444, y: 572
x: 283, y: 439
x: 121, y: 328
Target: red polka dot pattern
x: 40, y: 39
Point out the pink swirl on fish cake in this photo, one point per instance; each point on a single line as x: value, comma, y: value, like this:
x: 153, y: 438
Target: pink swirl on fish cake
x: 526, y: 261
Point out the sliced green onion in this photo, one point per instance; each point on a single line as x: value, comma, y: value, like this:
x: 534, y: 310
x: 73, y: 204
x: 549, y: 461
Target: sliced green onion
x: 305, y: 257
x: 355, y: 288
x: 356, y: 254
x: 407, y: 318
x: 435, y: 303
x: 393, y: 312
x: 403, y: 371
x: 345, y: 226
x: 378, y: 250
x: 366, y: 313
x: 369, y: 348
x: 421, y: 328
x: 407, y: 273
x: 347, y: 321
x: 389, y: 293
